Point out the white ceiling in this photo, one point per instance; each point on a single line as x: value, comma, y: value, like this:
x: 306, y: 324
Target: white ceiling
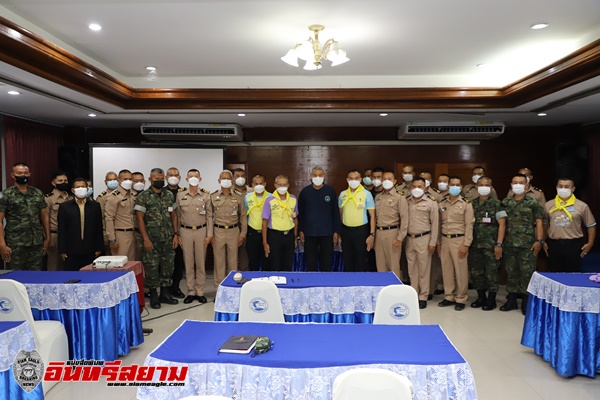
x: 237, y: 44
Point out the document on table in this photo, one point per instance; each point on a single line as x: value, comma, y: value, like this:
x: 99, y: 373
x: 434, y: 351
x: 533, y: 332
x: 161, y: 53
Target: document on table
x: 278, y: 280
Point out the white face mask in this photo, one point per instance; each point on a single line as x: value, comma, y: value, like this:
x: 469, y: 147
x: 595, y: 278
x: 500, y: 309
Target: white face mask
x: 417, y: 192
x: 173, y: 181
x: 564, y: 193
x: 317, y: 180
x: 225, y: 183
x: 407, y: 177
x: 484, y: 190
x: 427, y: 183
x: 376, y: 182
x: 126, y: 184
x: 193, y: 181
x: 443, y: 186
x: 259, y: 188
x: 518, y: 188
x: 387, y: 184
x: 282, y: 190
x: 80, y: 192
x: 139, y: 186
x: 240, y: 181
x: 353, y: 184
x: 476, y: 178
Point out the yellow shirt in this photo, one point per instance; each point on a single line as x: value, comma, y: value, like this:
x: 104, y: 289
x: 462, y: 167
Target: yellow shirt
x: 254, y: 209
x: 280, y: 212
x: 354, y: 210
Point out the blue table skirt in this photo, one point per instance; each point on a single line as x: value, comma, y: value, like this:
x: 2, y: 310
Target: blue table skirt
x: 99, y: 333
x: 356, y: 318
x: 10, y: 389
x: 570, y: 341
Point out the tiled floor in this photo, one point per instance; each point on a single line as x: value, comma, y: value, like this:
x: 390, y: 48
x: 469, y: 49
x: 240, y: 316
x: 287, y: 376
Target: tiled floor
x: 489, y: 341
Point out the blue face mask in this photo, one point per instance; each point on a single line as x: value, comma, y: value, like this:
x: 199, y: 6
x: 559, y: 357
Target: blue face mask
x: 90, y: 192
x: 112, y: 185
x: 454, y: 190
x: 367, y: 181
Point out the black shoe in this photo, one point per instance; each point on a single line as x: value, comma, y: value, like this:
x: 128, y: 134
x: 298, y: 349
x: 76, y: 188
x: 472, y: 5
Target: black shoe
x: 201, y: 299
x: 422, y: 304
x: 154, y: 301
x: 189, y: 299
x: 429, y: 297
x: 491, y: 302
x: 459, y: 307
x: 511, y: 303
x: 524, y: 304
x: 147, y: 295
x: 446, y: 303
x: 481, y: 300
x: 176, y: 292
x: 165, y: 297
x: 437, y: 292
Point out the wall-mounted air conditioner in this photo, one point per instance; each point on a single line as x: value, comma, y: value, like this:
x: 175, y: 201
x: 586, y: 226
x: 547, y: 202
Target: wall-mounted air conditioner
x: 193, y: 132
x: 451, y: 130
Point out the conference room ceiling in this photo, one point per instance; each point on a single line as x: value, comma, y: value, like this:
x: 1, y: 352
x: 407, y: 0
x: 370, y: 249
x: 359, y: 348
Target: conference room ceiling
x: 415, y: 60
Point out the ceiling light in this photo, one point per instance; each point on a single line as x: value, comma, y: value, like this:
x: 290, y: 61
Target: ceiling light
x: 241, y: 115
x: 541, y: 25
x: 383, y: 115
x: 92, y: 115
x: 14, y: 92
x: 95, y: 27
x: 150, y: 68
x: 542, y: 114
x: 312, y: 52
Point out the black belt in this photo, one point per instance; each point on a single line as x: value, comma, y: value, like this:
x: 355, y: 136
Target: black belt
x: 53, y: 231
x: 281, y: 232
x: 193, y: 227
x: 418, y: 235
x: 255, y: 230
x: 124, y: 230
x: 453, y: 236
x: 226, y: 226
x: 387, y: 228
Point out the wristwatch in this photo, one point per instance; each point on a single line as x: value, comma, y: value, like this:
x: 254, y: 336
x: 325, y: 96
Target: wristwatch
x: 372, y: 234
x: 112, y: 241
x: 177, y: 233
x: 499, y: 244
x: 541, y: 241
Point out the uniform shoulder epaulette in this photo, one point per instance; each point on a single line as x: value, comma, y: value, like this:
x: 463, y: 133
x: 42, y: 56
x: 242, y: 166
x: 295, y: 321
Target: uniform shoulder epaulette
x: 115, y: 192
x: 102, y: 194
x: 181, y: 189
x: 400, y: 191
x: 236, y: 191
x: 204, y: 190
x: 48, y: 194
x: 466, y: 200
x: 435, y: 190
x: 216, y: 191
x: 538, y: 189
x: 432, y: 198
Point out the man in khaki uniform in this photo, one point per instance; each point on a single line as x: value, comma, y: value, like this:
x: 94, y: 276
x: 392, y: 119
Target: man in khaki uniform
x: 408, y: 174
x: 430, y: 190
x: 469, y: 191
x: 423, y: 228
x: 119, y: 217
x: 530, y: 190
x: 58, y: 195
x: 195, y: 213
x: 436, y: 283
x: 240, y: 188
x: 391, y: 211
x: 139, y: 184
x: 112, y: 182
x: 229, y: 214
x: 457, y: 221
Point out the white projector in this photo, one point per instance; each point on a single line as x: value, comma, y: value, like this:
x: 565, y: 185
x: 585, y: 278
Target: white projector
x: 110, y: 262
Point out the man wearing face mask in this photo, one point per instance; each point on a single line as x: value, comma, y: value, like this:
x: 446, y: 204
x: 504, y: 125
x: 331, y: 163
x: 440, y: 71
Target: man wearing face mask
x: 230, y: 226
x: 523, y: 241
x: 280, y: 226
x: 408, y: 174
x: 112, y: 182
x: 58, y: 195
x: 376, y: 180
x: 530, y: 190
x: 358, y: 230
x: 240, y: 188
x: 254, y: 203
x: 80, y: 237
x: 430, y: 190
x: 173, y: 179
x: 22, y: 243
x: 436, y: 282
x: 366, y: 180
x: 391, y: 211
x: 194, y: 211
x: 318, y: 221
x: 90, y: 192
x: 159, y: 226
x: 566, y: 216
x: 469, y: 191
x: 119, y: 217
x: 139, y: 183
x: 423, y: 228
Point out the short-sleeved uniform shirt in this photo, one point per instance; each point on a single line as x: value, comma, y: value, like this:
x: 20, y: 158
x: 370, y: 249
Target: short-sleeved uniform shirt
x: 354, y: 206
x: 280, y: 212
x: 521, y: 221
x: 562, y: 227
x: 22, y: 213
x: 157, y: 209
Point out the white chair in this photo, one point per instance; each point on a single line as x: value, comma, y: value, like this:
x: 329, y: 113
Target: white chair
x: 397, y: 305
x: 50, y: 336
x: 371, y: 383
x: 260, y: 302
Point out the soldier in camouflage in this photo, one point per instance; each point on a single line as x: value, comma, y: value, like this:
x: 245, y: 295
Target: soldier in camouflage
x: 26, y: 236
x: 486, y: 249
x: 523, y: 242
x: 157, y: 221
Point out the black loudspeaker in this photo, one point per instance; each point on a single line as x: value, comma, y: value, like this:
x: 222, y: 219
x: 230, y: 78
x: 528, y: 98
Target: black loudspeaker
x: 75, y: 161
x: 572, y: 162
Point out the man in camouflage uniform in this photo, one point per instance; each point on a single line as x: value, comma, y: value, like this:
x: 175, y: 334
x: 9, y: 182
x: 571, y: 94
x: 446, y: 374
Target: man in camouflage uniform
x: 486, y: 249
x: 523, y: 242
x: 22, y: 243
x: 157, y: 221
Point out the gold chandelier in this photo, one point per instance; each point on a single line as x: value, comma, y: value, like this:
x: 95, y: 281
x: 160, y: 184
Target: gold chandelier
x: 312, y: 52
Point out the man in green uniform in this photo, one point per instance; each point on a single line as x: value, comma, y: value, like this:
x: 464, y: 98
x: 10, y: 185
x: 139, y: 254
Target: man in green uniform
x: 22, y: 243
x: 486, y: 249
x: 523, y: 242
x: 157, y: 221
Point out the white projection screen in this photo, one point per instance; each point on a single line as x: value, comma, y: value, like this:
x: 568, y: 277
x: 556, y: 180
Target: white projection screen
x: 115, y: 157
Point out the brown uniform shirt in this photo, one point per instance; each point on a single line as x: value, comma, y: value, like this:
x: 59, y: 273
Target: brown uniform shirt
x: 53, y: 201
x: 101, y: 199
x: 195, y: 209
x: 391, y: 209
x: 404, y: 188
x: 457, y: 218
x: 423, y: 216
x: 435, y: 193
x: 243, y: 192
x: 532, y: 192
x: 561, y: 227
x: 469, y: 192
x: 118, y: 211
x: 229, y: 210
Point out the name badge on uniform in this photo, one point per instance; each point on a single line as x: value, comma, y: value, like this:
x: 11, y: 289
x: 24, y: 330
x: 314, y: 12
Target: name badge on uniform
x: 170, y: 209
x: 234, y: 212
x: 202, y: 212
x: 571, y: 208
x: 442, y: 209
x: 486, y: 220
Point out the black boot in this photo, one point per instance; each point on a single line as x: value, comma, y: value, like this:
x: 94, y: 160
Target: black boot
x: 524, y: 304
x: 480, y: 299
x: 154, y: 301
x: 491, y: 302
x: 511, y: 303
x: 165, y: 296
